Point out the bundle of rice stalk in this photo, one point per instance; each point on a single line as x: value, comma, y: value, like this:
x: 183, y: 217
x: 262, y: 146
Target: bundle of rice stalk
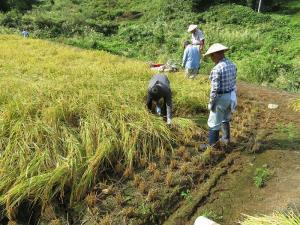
x: 277, y: 218
x: 296, y: 105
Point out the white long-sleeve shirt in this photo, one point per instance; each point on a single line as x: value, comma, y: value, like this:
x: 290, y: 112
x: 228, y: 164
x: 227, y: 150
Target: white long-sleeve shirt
x: 197, y: 37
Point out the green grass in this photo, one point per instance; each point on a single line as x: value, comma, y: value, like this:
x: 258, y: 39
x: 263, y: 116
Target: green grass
x: 287, y: 130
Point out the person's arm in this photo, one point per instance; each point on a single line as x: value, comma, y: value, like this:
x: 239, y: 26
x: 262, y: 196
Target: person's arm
x: 196, y: 42
x: 149, y: 101
x: 184, y: 58
x: 202, y: 44
x: 168, y: 101
x: 215, y: 86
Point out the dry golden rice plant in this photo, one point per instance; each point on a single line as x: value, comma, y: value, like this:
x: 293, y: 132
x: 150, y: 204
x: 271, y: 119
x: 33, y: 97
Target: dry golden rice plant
x: 137, y: 180
x: 152, y: 167
x: 91, y: 199
x: 119, y: 198
x: 295, y: 105
x: 173, y: 164
x: 142, y: 187
x: 152, y: 195
x: 55, y: 222
x: 169, y: 179
x: 277, y: 218
x: 156, y: 175
x: 67, y: 112
x: 106, y: 220
x: 12, y: 223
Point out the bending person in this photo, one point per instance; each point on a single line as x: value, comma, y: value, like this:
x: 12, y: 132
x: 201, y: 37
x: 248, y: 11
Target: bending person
x: 159, y: 93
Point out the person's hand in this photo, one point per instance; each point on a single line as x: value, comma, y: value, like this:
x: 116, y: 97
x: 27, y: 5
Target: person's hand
x: 169, y: 121
x: 211, y: 107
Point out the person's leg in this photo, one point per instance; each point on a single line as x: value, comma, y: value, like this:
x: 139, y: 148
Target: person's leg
x: 214, y: 124
x: 226, y: 132
x: 216, y: 118
x: 226, y: 126
x: 163, y: 106
x: 187, y: 73
x: 190, y: 73
x: 194, y: 73
x: 213, y: 137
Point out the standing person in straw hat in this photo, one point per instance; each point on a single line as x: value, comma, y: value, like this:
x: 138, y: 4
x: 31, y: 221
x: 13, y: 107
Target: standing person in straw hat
x: 197, y: 36
x: 223, y: 89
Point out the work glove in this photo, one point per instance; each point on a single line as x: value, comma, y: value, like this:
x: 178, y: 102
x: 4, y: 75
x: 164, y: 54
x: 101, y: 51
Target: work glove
x: 169, y: 121
x: 158, y: 110
x: 211, y: 107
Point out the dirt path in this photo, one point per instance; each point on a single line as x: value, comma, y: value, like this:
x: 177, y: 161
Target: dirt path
x: 273, y: 141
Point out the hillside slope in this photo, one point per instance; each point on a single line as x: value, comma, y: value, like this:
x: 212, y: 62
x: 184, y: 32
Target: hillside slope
x: 264, y: 46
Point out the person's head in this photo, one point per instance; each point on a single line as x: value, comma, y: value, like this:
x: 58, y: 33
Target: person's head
x: 216, y: 52
x: 192, y: 28
x: 186, y: 43
x: 155, y: 92
x: 217, y: 56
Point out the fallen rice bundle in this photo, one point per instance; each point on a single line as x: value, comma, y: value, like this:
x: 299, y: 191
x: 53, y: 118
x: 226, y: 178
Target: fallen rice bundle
x: 296, y: 105
x: 277, y: 218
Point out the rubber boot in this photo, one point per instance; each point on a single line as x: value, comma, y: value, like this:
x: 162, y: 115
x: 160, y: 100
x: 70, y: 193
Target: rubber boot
x: 226, y: 133
x: 213, y: 137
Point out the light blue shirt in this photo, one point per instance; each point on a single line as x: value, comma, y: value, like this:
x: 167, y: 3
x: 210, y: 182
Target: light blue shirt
x: 191, y: 57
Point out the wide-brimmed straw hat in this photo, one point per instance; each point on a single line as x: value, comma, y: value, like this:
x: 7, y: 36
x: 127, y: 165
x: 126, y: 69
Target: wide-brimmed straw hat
x: 217, y: 47
x: 192, y: 27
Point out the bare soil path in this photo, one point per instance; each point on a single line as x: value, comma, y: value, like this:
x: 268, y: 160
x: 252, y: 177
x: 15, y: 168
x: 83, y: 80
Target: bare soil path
x: 272, y: 141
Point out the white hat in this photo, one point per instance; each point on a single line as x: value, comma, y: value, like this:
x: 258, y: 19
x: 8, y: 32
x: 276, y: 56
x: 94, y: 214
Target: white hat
x: 201, y: 220
x: 192, y: 27
x: 215, y: 48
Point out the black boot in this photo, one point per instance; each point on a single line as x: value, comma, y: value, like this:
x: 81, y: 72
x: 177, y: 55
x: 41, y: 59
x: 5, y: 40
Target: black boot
x: 213, y: 137
x: 226, y: 132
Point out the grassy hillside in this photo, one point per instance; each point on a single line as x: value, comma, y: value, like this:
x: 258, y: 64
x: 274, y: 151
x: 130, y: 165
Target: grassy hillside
x: 69, y: 115
x: 264, y: 46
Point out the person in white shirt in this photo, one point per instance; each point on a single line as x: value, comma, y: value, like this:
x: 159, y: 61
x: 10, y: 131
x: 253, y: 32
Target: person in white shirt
x: 197, y: 36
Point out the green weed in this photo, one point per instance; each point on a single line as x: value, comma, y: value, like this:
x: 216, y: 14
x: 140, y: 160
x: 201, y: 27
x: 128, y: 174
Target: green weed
x: 261, y: 175
x: 212, y: 215
x: 289, y: 130
x: 186, y: 195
